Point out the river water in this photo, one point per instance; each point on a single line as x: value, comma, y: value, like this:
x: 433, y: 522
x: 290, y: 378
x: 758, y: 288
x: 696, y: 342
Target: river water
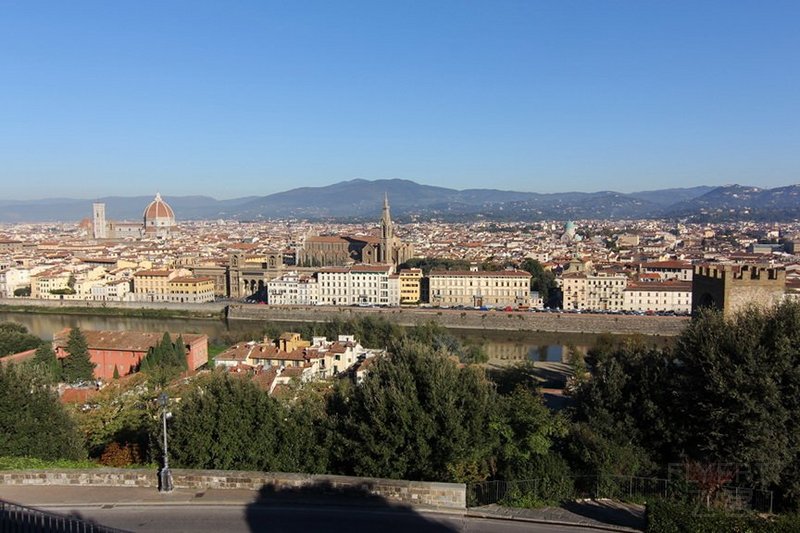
x: 502, y: 347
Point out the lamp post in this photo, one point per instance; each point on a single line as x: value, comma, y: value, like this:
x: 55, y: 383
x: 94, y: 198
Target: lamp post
x: 165, y: 475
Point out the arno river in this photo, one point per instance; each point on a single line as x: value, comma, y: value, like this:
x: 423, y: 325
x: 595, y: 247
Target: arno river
x: 503, y: 347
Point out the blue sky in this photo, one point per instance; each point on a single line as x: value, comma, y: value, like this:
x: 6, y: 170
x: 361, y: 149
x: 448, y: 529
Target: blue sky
x: 240, y: 98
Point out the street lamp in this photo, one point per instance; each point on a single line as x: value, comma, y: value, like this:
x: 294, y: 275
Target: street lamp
x: 165, y: 475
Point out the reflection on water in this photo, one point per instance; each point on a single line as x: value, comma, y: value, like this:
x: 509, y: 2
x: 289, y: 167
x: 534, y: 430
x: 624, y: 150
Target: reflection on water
x: 501, y: 346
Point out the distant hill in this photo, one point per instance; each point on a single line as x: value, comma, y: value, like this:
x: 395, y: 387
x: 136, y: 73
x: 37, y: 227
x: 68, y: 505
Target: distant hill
x: 737, y: 202
x: 362, y: 199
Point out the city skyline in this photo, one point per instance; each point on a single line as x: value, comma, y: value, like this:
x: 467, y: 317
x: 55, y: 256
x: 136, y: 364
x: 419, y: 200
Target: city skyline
x: 201, y: 98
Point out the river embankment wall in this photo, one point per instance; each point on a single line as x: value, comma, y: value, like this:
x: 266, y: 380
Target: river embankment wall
x: 414, y: 493
x: 471, y: 319
x: 666, y: 326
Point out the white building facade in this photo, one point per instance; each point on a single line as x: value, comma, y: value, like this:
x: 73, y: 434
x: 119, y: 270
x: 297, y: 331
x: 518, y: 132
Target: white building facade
x: 358, y: 285
x: 666, y: 296
x: 292, y: 288
x: 476, y: 289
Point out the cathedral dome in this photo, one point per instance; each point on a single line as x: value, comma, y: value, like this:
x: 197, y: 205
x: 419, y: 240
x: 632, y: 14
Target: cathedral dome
x: 158, y: 215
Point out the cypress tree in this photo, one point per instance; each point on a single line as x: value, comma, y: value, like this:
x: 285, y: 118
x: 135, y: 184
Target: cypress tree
x: 179, y: 350
x: 45, y: 359
x: 77, y: 366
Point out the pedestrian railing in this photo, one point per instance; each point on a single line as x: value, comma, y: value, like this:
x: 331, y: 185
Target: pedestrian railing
x: 16, y: 518
x: 623, y: 488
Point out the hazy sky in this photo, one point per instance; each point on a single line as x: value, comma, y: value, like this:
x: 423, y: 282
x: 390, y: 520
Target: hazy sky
x: 235, y: 98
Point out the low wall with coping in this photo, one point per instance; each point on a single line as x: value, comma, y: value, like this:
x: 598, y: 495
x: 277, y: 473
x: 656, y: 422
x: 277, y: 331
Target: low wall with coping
x: 404, y: 316
x: 415, y: 493
x: 472, y: 319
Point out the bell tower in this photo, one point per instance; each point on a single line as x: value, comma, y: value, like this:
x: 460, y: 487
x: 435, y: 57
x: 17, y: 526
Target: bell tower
x: 387, y: 233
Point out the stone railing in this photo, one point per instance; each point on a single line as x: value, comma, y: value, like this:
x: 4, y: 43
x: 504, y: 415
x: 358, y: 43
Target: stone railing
x: 415, y: 493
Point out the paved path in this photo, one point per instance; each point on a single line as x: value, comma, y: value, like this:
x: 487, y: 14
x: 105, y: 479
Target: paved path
x: 146, y: 510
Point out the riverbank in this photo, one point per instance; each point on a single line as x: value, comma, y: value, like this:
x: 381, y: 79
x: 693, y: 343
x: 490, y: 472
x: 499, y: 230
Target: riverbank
x: 500, y: 321
x: 656, y: 326
x: 164, y: 310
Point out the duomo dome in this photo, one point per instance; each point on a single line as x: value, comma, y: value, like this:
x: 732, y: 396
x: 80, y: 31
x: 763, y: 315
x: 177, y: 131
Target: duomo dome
x: 158, y: 216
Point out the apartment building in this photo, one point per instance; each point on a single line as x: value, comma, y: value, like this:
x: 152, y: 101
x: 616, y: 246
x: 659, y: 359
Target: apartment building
x: 672, y: 296
x: 293, y: 288
x: 12, y: 279
x: 678, y: 270
x: 43, y: 284
x: 153, y: 285
x: 600, y: 291
x: 358, y: 285
x: 475, y: 288
x: 188, y: 289
x: 410, y: 286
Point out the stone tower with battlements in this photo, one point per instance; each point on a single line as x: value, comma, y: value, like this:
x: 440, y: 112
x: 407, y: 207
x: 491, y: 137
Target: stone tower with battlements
x: 731, y: 288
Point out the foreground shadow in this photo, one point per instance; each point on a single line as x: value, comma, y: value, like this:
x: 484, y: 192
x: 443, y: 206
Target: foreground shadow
x: 322, y: 507
x: 609, y: 512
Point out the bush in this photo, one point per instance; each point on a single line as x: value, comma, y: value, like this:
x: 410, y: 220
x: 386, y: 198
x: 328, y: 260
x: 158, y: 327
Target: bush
x: 121, y: 455
x: 672, y: 517
x: 33, y: 422
x: 34, y: 463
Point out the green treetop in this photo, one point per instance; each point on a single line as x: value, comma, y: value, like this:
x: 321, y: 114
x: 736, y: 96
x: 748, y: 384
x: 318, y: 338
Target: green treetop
x: 77, y: 365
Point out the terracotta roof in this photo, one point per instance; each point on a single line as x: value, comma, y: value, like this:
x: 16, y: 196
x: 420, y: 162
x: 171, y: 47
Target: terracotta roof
x: 265, y: 376
x: 158, y: 208
x: 482, y: 273
x: 159, y: 273
x: 292, y: 372
x: 667, y: 264
x: 238, y: 352
x: 133, y: 341
x: 666, y: 286
x: 190, y: 279
x: 326, y: 238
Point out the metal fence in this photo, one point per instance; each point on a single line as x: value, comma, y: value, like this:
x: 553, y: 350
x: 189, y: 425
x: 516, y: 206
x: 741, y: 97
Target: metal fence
x: 20, y: 519
x: 622, y: 488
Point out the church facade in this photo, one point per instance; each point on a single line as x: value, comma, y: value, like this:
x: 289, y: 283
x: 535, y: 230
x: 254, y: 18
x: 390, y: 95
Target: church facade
x: 158, y: 220
x: 341, y: 250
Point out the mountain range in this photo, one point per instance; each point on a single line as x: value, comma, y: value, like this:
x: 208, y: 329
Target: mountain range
x: 360, y: 199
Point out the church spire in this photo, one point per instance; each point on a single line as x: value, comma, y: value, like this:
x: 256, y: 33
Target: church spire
x: 387, y: 232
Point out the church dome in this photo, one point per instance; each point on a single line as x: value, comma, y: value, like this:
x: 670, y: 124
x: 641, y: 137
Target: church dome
x: 158, y: 214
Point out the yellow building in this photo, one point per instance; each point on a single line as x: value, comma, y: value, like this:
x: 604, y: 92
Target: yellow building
x: 410, y: 286
x: 153, y: 285
x: 55, y: 279
x: 188, y: 289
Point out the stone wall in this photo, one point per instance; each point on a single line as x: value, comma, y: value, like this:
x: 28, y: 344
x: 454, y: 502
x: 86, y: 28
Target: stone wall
x: 409, y: 316
x: 415, y: 493
x: 490, y: 320
x: 211, y: 308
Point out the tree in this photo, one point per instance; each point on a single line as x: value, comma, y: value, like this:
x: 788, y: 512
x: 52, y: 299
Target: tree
x: 14, y: 338
x: 527, y: 430
x: 165, y: 361
x: 232, y: 424
x: 738, y: 383
x: 728, y: 392
x: 416, y: 416
x: 33, y: 421
x: 46, y: 361
x: 22, y: 292
x: 77, y: 365
x: 543, y: 281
